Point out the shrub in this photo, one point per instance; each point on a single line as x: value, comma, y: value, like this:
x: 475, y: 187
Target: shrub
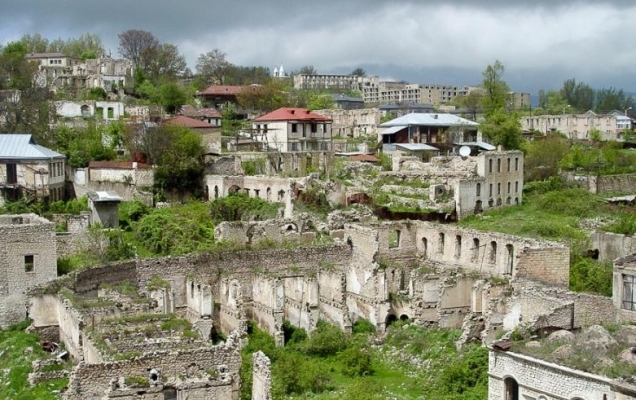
x: 357, y: 361
x: 239, y: 206
x: 363, y: 326
x: 326, y: 340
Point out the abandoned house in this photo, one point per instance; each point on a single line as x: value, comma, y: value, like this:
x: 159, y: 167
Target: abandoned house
x: 27, y: 168
x: 28, y: 257
x: 437, y: 130
x: 293, y: 129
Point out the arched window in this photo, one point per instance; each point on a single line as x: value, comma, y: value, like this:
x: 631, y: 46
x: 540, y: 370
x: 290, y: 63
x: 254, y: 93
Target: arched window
x: 490, y: 166
x: 475, y: 250
x: 440, y: 248
x: 424, y: 246
x: 458, y: 247
x: 478, y: 189
x: 511, y: 389
x: 499, y: 165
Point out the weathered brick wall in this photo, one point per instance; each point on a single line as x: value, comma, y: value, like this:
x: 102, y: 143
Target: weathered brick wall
x: 27, y: 258
x: 536, y: 377
x: 550, y: 265
x: 625, y: 183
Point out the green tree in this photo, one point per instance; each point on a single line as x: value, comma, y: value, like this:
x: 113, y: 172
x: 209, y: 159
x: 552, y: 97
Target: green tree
x: 213, y: 67
x: 579, y: 95
x: 35, y: 43
x: 172, y: 97
x: 472, y: 103
x: 543, y: 157
x: 163, y: 63
x: 495, y: 88
x: 553, y: 103
x: 503, y: 128
x: 134, y: 44
x: 320, y: 102
x: 308, y: 70
x: 612, y: 99
x: 359, y: 72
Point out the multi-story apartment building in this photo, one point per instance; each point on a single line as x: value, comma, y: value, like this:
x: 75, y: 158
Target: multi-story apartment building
x: 611, y: 126
x: 399, y: 92
x: 334, y: 81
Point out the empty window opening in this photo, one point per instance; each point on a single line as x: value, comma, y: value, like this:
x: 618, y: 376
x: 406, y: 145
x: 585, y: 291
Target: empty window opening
x: 499, y: 165
x: 516, y: 164
x: 257, y: 193
x: 499, y: 201
x: 216, y: 192
x: 458, y: 246
x: 517, y: 187
x: 269, y: 194
x: 491, y: 203
x: 12, y: 174
x: 479, y: 189
x: 629, y: 292
x: 294, y: 128
x: 475, y: 250
x: 511, y: 389
x: 28, y: 263
x: 510, y: 251
x: 508, y: 200
x: 441, y: 243
x: 478, y: 207
x: 110, y: 112
x: 509, y: 186
x: 404, y: 317
x: 391, y: 319
x: 498, y: 189
x: 424, y: 246
x: 490, y: 190
x: 490, y: 166
x: 281, y: 195
x: 516, y: 200
x: 492, y: 256
x: 508, y: 165
x: 394, y: 239
x: 192, y: 289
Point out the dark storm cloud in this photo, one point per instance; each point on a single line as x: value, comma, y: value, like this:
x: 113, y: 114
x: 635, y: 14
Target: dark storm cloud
x: 535, y: 40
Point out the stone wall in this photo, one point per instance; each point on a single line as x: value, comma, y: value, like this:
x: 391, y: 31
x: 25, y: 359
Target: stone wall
x: 28, y: 258
x: 611, y: 246
x: 272, y: 163
x: 534, y: 378
x: 604, y: 184
x: 353, y: 123
x: 261, y: 377
x: 216, y: 369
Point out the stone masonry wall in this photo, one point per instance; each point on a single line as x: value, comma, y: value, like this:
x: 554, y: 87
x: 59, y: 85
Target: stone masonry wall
x: 261, y: 377
x: 27, y: 258
x: 92, y: 381
x: 535, y: 377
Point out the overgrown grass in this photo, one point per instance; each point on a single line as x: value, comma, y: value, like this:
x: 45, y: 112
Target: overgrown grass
x: 17, y: 350
x: 330, y: 366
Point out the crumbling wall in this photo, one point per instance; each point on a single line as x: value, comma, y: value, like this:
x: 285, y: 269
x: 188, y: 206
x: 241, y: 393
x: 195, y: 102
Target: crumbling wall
x: 301, y: 301
x: 27, y: 258
x: 611, y: 246
x: 268, y: 298
x: 261, y: 377
x: 90, y: 381
x: 232, y: 313
x: 494, y: 253
x: 536, y: 377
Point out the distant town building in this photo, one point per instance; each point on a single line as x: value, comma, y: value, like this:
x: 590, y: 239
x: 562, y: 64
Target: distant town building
x: 293, y: 129
x: 334, y: 81
x: 610, y: 126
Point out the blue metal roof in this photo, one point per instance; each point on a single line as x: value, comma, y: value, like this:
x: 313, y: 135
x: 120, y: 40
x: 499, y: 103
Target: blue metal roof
x: 23, y: 147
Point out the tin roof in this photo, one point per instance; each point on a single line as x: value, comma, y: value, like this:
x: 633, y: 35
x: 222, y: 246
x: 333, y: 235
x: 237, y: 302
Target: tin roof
x: 23, y: 147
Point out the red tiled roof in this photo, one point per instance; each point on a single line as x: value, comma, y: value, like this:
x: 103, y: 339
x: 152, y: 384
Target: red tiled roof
x: 188, y: 122
x: 117, y: 165
x: 292, y: 114
x: 221, y: 89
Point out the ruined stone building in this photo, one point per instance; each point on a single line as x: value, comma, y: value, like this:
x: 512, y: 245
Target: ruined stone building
x: 590, y: 364
x: 27, y: 168
x: 28, y: 257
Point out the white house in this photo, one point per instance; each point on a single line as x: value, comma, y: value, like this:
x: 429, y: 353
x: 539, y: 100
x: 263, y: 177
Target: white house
x: 293, y: 129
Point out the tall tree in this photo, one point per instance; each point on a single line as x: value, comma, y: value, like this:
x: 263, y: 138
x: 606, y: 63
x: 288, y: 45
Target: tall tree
x: 495, y: 88
x: 163, y: 62
x: 263, y: 98
x: 133, y: 44
x: 24, y: 106
x: 35, y: 43
x: 88, y: 45
x: 472, y: 103
x: 359, y: 72
x: 612, y: 99
x: 213, y: 67
x: 580, y: 96
x: 308, y: 70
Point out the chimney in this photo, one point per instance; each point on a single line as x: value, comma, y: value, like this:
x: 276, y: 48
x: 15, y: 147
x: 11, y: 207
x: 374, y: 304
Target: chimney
x: 435, y: 116
x: 292, y: 111
x: 308, y: 111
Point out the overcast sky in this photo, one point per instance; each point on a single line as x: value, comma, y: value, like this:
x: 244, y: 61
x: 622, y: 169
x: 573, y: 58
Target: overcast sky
x: 540, y: 42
